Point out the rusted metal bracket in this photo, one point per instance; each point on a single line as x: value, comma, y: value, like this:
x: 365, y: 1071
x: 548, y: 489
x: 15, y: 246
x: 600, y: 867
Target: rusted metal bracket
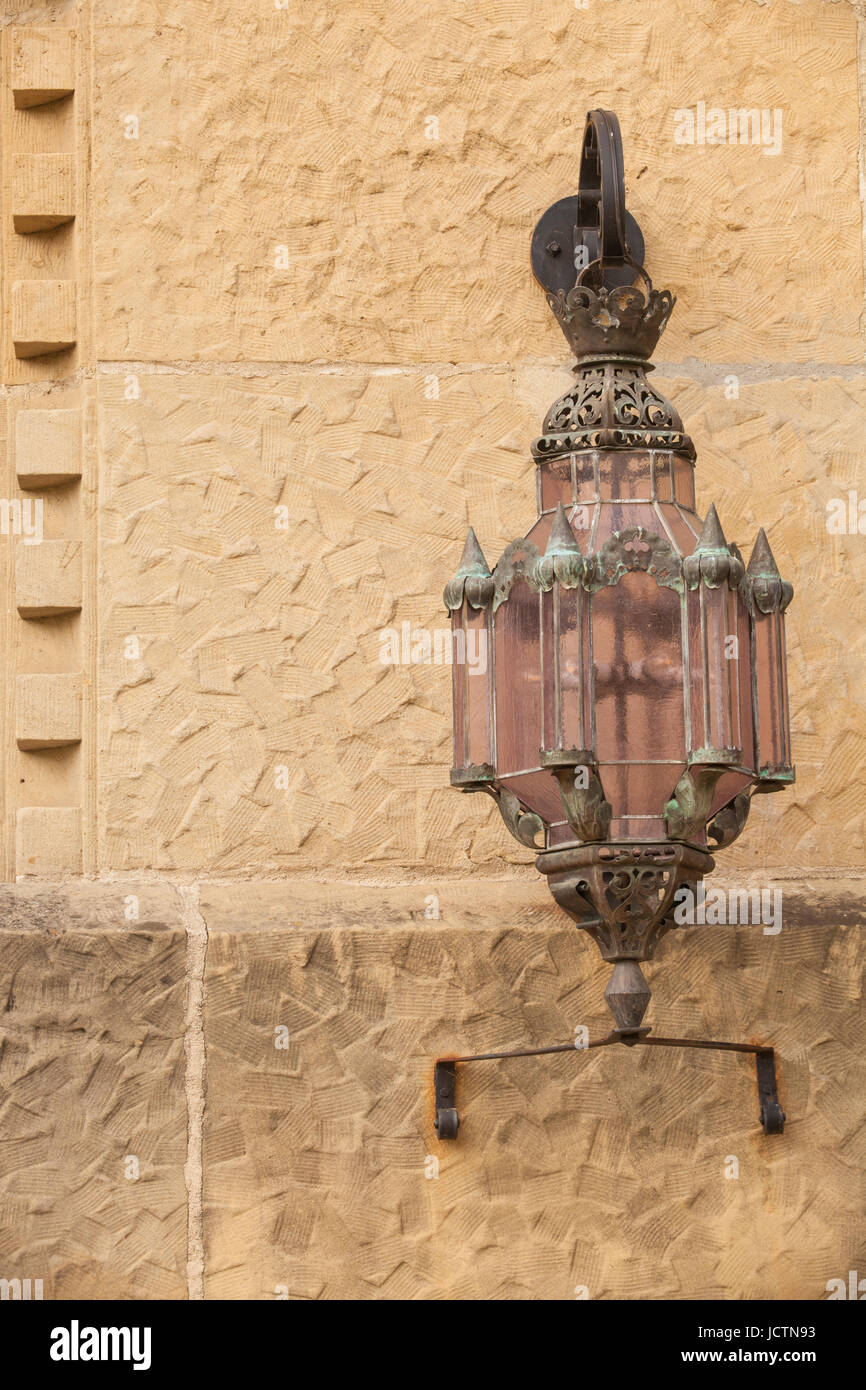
x: 772, y: 1116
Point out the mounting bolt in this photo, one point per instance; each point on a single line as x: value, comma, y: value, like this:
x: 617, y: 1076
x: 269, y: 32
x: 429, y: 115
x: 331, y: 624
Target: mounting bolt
x: 553, y: 248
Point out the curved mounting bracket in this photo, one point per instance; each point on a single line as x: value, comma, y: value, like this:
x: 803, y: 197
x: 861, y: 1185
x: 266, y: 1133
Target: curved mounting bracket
x: 591, y: 228
x: 771, y: 1114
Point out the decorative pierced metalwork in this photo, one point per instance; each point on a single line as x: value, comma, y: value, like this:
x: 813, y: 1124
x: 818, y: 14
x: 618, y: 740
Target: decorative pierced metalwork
x: 612, y: 406
x: 623, y: 895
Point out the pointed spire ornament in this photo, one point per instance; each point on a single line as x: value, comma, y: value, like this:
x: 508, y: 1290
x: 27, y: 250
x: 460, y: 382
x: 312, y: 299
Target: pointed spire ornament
x: 563, y: 559
x: 712, y: 559
x: 765, y: 586
x: 473, y: 579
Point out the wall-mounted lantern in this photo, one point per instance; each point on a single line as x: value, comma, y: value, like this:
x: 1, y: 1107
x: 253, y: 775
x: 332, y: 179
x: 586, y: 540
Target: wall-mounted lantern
x: 635, y: 698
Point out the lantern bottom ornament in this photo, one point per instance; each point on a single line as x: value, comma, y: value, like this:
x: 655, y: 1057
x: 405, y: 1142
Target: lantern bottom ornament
x: 634, y: 696
x: 623, y: 895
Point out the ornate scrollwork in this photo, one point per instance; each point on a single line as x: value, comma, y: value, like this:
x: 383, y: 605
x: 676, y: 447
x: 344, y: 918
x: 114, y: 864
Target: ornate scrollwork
x: 635, y: 549
x: 623, y: 895
x: 625, y: 319
x: 727, y: 824
x: 687, y: 812
x: 519, y: 561
x: 525, y: 826
x: 586, y: 810
x: 612, y: 406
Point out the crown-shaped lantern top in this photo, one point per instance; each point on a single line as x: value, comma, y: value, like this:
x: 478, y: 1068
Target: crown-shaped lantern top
x: 622, y: 321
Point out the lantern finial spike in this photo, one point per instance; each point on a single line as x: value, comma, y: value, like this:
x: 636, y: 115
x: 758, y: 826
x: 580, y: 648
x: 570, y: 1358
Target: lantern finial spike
x: 767, y: 589
x: 712, y: 559
x: 472, y: 561
x: 762, y: 561
x: 712, y: 536
x: 473, y: 579
x: 562, y: 539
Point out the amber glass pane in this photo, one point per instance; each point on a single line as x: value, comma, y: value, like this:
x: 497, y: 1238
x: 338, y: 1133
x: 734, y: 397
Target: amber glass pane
x: 638, y: 670
x: 634, y: 828
x: 618, y: 516
x: 783, y: 692
x: 744, y: 672
x: 538, y: 792
x: 684, y: 536
x: 732, y: 658
x: 585, y: 467
x: 625, y: 475
x: 638, y: 689
x: 550, y: 670
x: 479, y: 684
x: 664, y: 478
x: 458, y: 685
x: 556, y: 483
x: 517, y: 663
x: 697, y: 700
x: 684, y: 482
x: 727, y: 787
x: 718, y: 685
x: 539, y: 532
x: 573, y: 668
x: 772, y: 740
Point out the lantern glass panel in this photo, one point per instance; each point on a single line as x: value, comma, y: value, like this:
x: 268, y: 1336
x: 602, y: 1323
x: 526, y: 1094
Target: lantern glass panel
x: 458, y: 682
x: 663, y: 478
x: 684, y: 482
x: 576, y: 731
x: 626, y: 475
x: 586, y: 477
x: 718, y: 690
x: 556, y: 484
x: 744, y: 676
x: 478, y: 684
x: 638, y: 673
x: 772, y: 725
x: 517, y: 666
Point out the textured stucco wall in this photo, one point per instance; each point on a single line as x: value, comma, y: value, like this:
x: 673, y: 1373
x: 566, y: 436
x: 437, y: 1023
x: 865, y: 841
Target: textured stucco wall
x: 276, y: 291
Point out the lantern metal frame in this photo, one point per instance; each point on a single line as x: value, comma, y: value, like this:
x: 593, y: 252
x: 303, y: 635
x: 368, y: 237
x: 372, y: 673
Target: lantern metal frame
x: 615, y: 867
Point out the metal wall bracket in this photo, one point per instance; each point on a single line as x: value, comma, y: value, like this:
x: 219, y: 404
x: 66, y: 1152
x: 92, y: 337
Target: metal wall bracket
x: 592, y: 227
x: 772, y: 1116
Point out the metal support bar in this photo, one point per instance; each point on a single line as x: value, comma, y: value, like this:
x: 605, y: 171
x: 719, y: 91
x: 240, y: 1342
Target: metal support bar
x: 445, y: 1073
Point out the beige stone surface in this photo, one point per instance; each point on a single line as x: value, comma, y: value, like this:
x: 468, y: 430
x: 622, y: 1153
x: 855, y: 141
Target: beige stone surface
x: 48, y: 841
x: 283, y: 199
x: 91, y: 1076
x: 606, y: 1170
x: 258, y: 730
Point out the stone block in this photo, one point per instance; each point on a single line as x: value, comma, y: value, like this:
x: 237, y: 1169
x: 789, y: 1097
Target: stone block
x: 44, y: 316
x: 48, y: 841
x: 43, y: 191
x: 43, y: 65
x: 47, y: 447
x: 48, y: 578
x: 48, y: 711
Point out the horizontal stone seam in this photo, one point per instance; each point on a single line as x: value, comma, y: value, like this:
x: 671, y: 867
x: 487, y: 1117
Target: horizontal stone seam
x: 709, y: 374
x: 520, y: 873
